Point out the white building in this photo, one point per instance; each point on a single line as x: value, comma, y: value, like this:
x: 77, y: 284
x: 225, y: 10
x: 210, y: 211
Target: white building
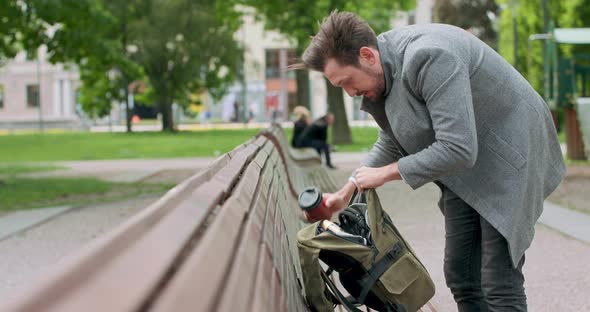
x: 35, y: 93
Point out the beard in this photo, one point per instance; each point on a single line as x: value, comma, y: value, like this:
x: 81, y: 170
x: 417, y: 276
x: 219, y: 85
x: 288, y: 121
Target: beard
x: 378, y: 82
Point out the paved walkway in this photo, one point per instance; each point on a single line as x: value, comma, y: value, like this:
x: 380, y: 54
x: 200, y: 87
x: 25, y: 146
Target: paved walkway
x: 29, y: 255
x: 124, y: 170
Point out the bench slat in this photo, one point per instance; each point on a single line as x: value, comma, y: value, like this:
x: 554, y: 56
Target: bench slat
x: 238, y: 291
x: 230, y: 173
x: 263, y: 296
x: 204, y: 270
x: 280, y: 303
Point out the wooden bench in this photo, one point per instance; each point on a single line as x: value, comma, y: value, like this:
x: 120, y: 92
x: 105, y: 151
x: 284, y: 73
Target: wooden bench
x: 306, y: 157
x: 223, y: 240
x: 303, y: 164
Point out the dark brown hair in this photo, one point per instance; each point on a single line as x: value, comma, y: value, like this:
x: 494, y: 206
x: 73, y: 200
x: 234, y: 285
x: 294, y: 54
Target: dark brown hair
x: 341, y: 36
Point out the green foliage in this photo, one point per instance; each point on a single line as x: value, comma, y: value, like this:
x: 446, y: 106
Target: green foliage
x: 529, y: 20
x: 19, y: 28
x: 106, y: 77
x: 70, y: 31
x: 299, y: 20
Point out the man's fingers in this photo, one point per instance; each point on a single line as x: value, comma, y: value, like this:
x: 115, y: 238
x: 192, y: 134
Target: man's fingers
x: 329, y: 199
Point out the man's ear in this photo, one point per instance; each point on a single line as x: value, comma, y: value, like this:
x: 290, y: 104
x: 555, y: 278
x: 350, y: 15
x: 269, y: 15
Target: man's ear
x: 367, y: 55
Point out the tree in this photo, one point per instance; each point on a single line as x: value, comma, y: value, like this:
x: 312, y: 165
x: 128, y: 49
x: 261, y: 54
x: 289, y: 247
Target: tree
x: 476, y: 16
x: 299, y: 20
x: 106, y: 78
x: 184, y: 47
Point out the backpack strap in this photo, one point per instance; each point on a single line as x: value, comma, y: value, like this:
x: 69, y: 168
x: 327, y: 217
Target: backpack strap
x: 377, y: 270
x: 339, y: 296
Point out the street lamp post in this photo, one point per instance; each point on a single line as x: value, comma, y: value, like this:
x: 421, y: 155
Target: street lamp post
x: 41, y: 126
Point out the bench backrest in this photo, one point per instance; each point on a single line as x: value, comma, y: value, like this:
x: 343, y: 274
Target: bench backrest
x: 304, y: 170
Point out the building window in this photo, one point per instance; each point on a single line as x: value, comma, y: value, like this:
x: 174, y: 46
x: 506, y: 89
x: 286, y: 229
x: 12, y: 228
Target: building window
x: 272, y: 64
x: 412, y: 17
x: 33, y: 95
x: 1, y: 96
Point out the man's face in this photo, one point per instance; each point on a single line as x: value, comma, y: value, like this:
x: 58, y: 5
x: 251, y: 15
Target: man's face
x: 366, y: 79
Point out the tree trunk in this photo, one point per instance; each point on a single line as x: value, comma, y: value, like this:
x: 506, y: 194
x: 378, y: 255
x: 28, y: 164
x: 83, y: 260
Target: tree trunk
x: 303, y: 88
x: 125, y: 77
x: 166, y: 110
x: 340, y: 129
x: 128, y: 112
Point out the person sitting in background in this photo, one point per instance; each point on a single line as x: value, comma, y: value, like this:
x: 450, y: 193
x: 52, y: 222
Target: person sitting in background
x: 316, y: 135
x: 302, y: 120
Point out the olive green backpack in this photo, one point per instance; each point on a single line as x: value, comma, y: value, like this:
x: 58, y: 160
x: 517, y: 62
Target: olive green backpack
x: 375, y: 264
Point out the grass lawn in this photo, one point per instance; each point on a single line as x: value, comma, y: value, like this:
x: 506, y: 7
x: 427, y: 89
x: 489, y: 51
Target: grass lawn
x: 26, y: 193
x: 90, y: 146
x: 363, y: 139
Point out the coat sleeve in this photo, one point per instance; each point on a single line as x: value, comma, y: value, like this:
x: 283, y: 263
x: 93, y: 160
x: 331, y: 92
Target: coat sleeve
x: 384, y: 151
x: 441, y: 80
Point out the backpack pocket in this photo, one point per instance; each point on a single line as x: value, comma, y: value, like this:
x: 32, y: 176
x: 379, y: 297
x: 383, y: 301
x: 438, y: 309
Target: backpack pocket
x: 401, y: 274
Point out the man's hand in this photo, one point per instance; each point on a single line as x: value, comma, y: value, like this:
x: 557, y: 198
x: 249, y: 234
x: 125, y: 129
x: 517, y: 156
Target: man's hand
x: 338, y: 201
x: 370, y: 178
x: 335, y: 201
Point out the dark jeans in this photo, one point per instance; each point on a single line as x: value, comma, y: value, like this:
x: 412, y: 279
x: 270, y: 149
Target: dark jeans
x: 477, y: 267
x: 321, y: 147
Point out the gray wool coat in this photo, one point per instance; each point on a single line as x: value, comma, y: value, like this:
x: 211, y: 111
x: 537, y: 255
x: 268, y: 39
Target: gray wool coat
x: 455, y: 112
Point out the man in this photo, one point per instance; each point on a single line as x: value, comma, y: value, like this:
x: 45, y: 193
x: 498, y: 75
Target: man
x: 453, y: 112
x: 316, y: 135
